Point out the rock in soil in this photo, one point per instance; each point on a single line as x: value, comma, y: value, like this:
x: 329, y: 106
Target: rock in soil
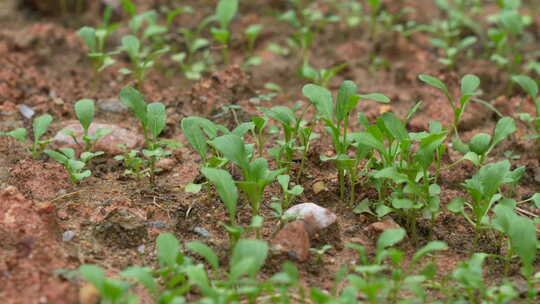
x: 382, y: 226
x: 121, y: 228
x: 293, y: 240
x: 314, y: 216
x: 108, y: 143
x: 29, y: 252
x: 113, y: 105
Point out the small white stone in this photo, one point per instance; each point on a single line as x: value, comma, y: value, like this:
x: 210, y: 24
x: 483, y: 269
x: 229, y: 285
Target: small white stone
x: 319, y: 216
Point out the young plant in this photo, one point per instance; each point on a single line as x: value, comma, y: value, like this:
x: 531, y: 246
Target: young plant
x: 111, y: 291
x: 469, y: 86
x: 251, y: 33
x: 84, y: 110
x: 522, y: 240
x: 484, y: 189
x: 152, y: 118
x: 198, y: 131
x: 402, y: 166
x: 228, y: 193
x: 254, y: 171
x: 481, y: 144
x: 336, y: 118
x: 319, y: 253
x: 369, y: 277
x: 95, y: 40
x: 73, y: 166
x: 141, y: 60
x: 134, y: 164
x: 225, y: 12
x: 531, y: 88
x: 288, y: 194
x: 40, y: 125
x: 320, y: 77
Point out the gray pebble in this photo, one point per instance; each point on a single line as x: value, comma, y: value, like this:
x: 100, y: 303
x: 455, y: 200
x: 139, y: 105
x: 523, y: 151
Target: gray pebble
x: 141, y: 248
x: 113, y: 105
x: 68, y: 235
x: 202, y: 232
x: 157, y: 224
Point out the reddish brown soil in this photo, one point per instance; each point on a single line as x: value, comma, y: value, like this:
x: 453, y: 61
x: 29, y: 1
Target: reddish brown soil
x: 43, y: 65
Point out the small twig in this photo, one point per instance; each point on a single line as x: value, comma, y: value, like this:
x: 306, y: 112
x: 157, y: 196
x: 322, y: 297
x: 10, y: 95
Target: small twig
x: 82, y: 191
x: 525, y: 212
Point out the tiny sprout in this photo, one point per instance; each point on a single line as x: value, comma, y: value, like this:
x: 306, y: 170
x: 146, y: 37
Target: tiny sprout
x: 320, y: 252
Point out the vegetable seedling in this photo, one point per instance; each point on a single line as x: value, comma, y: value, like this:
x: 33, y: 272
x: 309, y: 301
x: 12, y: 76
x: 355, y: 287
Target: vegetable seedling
x: 469, y: 87
x: 531, y: 88
x: 336, y: 119
x: 74, y: 167
x: 225, y: 12
x: 484, y: 188
x: 288, y: 194
x: 95, y: 40
x: 40, y: 125
x: 255, y: 172
x: 84, y: 110
x: 319, y: 253
x: 141, y: 60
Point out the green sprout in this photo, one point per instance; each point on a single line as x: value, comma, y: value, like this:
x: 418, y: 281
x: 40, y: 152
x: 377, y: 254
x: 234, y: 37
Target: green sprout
x: 469, y: 87
x: 531, y: 88
x: 336, y: 119
x: 484, y: 189
x: 225, y: 12
x: 40, y: 125
x: 255, y: 171
x: 84, y: 110
x: 95, y: 40
x: 141, y: 60
x: 320, y: 252
x: 73, y: 166
x: 288, y: 194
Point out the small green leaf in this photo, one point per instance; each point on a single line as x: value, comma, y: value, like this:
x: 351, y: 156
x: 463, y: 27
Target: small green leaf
x: 528, y: 84
x: 206, y: 252
x: 390, y: 237
x: 376, y: 97
x: 84, y: 110
x: 321, y: 99
x: 225, y: 12
x: 144, y: 276
x: 469, y: 84
x: 132, y: 46
x: 233, y: 148
x: 480, y: 143
x: 40, y: 125
x: 19, y: 134
x: 225, y: 187
x: 156, y: 118
x: 434, y: 82
x: 430, y: 247
x: 246, y: 250
x: 168, y: 249
x: 135, y: 102
x: 94, y: 275
x: 505, y: 126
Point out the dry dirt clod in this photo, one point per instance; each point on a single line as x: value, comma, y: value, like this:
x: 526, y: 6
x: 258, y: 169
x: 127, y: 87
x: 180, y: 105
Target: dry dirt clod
x: 108, y: 144
x: 88, y: 294
x: 293, y: 240
x: 166, y: 164
x: 121, y: 228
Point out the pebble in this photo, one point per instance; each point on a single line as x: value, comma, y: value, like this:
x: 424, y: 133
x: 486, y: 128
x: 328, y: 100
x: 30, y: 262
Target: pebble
x: 26, y: 111
x: 293, y: 240
x: 166, y: 164
x: 141, y: 248
x: 113, y: 105
x: 68, y: 235
x: 157, y: 224
x: 202, y: 232
x: 382, y: 226
x: 108, y: 143
x: 315, y: 217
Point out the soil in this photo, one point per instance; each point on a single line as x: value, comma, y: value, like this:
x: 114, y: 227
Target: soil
x: 114, y: 220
